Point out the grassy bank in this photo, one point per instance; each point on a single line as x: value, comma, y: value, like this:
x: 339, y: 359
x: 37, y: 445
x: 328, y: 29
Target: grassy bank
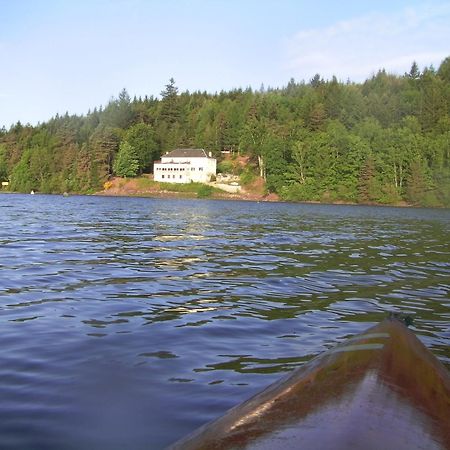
x: 148, y: 187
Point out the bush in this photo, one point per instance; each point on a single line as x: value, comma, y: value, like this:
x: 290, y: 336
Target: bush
x: 247, y: 177
x: 225, y: 167
x: 389, y: 194
x: 107, y: 185
x: 204, y: 191
x: 175, y: 187
x: 299, y: 192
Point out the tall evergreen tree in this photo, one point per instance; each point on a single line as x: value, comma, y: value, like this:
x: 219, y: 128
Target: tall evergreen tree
x: 367, y: 189
x: 170, y: 110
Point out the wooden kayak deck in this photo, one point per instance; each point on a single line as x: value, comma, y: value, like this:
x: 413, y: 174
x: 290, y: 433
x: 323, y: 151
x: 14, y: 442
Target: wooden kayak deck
x: 382, y: 389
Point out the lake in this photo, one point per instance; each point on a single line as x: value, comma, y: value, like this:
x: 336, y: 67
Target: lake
x: 128, y: 322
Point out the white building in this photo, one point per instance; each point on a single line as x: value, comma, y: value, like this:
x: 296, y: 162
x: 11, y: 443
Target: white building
x: 185, y: 165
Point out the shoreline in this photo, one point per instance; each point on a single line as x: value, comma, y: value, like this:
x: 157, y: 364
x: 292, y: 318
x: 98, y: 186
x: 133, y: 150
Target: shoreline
x: 271, y: 198
x: 189, y: 195
x: 120, y: 187
x: 186, y: 196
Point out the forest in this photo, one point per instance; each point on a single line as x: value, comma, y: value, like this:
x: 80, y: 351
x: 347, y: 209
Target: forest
x: 383, y: 141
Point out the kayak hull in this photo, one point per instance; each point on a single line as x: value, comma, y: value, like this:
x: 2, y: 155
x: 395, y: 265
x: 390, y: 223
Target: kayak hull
x: 382, y: 389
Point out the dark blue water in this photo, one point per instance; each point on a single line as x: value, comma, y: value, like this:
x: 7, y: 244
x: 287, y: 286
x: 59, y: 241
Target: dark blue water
x: 126, y: 322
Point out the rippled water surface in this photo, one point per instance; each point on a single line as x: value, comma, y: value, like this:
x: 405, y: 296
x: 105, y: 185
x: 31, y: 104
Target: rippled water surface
x: 127, y: 322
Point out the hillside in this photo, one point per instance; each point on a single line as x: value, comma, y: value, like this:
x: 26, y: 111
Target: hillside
x: 383, y: 141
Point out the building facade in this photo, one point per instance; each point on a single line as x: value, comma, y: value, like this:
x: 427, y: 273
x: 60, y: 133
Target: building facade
x: 184, y: 165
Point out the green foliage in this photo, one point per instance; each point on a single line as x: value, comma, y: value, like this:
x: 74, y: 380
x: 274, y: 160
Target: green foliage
x: 386, y: 140
x: 22, y: 179
x: 3, y: 163
x: 119, y: 112
x: 225, y: 167
x: 300, y: 192
x: 204, y: 191
x: 179, y: 187
x: 367, y: 184
x: 142, y: 138
x: 444, y: 70
x: 201, y: 190
x: 126, y: 163
x: 145, y: 183
x: 247, y: 177
x: 442, y: 179
x: 273, y: 157
x: 170, y: 105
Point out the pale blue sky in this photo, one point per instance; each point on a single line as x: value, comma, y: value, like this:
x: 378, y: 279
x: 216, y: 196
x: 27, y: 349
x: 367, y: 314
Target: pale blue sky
x: 58, y: 56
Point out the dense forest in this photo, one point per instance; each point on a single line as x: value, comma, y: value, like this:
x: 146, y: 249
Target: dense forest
x: 386, y: 140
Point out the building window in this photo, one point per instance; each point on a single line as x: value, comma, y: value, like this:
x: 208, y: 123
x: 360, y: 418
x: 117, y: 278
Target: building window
x: 181, y: 176
x: 162, y: 176
x: 201, y: 169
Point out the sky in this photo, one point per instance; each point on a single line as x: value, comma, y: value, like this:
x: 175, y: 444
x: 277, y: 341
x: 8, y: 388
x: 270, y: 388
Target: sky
x: 59, y: 56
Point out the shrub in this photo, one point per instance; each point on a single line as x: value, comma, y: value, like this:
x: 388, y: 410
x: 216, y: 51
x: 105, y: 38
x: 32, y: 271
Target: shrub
x: 225, y: 167
x: 204, y: 191
x: 107, y: 185
x: 247, y: 177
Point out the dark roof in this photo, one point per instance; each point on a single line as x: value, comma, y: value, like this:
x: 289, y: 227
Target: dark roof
x: 187, y: 153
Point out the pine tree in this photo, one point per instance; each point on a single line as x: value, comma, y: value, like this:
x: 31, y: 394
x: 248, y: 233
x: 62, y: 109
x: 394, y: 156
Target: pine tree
x: 416, y: 187
x: 444, y: 70
x: 414, y: 72
x: 366, y: 185
x: 170, y: 110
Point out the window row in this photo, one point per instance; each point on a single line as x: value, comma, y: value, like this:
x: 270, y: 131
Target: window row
x: 181, y: 169
x: 171, y: 169
x: 171, y: 176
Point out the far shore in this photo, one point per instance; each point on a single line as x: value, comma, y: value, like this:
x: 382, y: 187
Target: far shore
x: 237, y: 197
x: 120, y: 187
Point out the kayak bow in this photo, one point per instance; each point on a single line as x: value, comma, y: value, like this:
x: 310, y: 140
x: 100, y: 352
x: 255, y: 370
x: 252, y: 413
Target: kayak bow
x: 382, y: 389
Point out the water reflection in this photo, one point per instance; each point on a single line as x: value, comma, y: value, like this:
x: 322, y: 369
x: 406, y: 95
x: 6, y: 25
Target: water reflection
x: 197, y: 304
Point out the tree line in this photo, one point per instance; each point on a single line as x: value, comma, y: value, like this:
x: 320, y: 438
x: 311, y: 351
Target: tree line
x: 386, y: 140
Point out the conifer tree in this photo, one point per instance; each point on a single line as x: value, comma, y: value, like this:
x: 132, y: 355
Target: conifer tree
x: 366, y: 185
x: 170, y: 109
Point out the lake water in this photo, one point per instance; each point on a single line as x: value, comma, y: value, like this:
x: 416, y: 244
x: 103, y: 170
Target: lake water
x: 128, y: 322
